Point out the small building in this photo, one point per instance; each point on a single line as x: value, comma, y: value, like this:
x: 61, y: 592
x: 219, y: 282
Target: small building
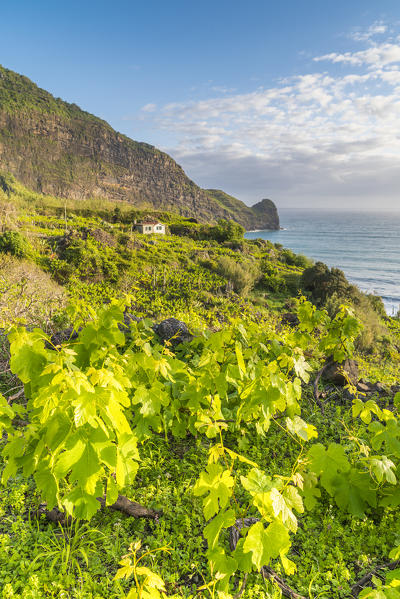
x: 150, y: 226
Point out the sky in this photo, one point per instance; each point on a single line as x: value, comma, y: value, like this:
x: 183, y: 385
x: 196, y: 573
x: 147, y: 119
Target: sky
x: 297, y: 101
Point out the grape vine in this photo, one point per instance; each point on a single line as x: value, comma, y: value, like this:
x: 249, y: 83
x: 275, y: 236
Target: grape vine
x: 93, y: 402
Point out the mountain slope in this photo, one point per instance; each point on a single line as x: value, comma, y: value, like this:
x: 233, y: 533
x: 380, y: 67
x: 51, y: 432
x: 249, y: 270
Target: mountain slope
x: 262, y: 215
x: 56, y: 148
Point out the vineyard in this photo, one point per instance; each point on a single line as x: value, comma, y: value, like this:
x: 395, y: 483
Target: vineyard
x: 221, y: 464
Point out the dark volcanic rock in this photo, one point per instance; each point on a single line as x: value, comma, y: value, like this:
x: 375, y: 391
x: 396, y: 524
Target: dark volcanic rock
x: 128, y: 318
x: 333, y: 374
x: 173, y: 330
x: 290, y: 319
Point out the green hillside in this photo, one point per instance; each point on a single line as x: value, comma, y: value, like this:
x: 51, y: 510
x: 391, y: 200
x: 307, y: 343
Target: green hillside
x: 54, y: 147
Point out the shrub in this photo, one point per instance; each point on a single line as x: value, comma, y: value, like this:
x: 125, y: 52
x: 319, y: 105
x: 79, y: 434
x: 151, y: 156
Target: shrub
x: 323, y: 282
x: 240, y: 276
x: 92, y: 263
x: 227, y: 230
x: 12, y: 242
x: 302, y: 261
x: 373, y: 329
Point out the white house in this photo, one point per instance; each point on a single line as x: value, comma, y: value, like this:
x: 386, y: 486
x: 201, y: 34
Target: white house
x: 150, y: 226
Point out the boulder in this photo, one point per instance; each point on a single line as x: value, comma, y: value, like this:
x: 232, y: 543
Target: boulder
x: 173, y: 330
x: 378, y: 388
x: 333, y: 372
x: 291, y: 319
x: 367, y: 387
x: 128, y: 318
x: 363, y: 387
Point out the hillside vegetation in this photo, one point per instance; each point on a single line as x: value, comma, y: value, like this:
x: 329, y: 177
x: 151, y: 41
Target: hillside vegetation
x: 251, y: 449
x: 54, y: 147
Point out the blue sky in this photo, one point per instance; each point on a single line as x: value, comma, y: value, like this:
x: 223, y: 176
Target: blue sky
x: 298, y: 101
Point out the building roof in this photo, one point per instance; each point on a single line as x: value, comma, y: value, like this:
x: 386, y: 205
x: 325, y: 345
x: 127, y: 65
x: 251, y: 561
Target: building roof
x: 150, y: 222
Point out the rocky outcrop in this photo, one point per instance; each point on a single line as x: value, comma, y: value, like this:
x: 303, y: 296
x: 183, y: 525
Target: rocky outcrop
x: 56, y: 148
x: 262, y: 215
x: 340, y: 373
x: 173, y: 331
x: 265, y: 215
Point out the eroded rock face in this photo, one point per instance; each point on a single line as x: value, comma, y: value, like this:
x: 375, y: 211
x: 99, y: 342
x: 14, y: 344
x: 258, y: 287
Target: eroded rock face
x: 173, y: 330
x: 333, y: 372
x: 56, y: 148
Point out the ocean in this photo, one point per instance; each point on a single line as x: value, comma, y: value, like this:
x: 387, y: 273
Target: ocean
x: 366, y: 246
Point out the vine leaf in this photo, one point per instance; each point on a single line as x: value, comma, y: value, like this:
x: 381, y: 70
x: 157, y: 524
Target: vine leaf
x: 266, y: 544
x: 213, y: 529
x: 216, y: 484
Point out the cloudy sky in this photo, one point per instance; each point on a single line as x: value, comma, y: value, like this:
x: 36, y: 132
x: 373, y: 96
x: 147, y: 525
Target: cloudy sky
x: 298, y: 102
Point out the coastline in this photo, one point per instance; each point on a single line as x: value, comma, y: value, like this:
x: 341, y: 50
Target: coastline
x: 366, y: 246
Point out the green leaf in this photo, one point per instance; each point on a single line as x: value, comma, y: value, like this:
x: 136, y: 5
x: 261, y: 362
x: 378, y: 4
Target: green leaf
x: 300, y: 428
x: 85, y: 409
x: 217, y: 485
x: 293, y: 499
x: 395, y: 553
x: 240, y: 360
x: 47, y: 485
x: 257, y: 482
x: 383, y: 468
x: 302, y: 368
x: 266, y: 544
x: 213, y: 529
x: 289, y: 566
x: 222, y: 566
x: 112, y: 491
x: 243, y: 559
x: 80, y: 504
x: 353, y: 491
x: 87, y: 470
x: 127, y: 456
x: 69, y: 458
x: 332, y: 459
x: 152, y: 579
x: 282, y: 507
x: 28, y: 355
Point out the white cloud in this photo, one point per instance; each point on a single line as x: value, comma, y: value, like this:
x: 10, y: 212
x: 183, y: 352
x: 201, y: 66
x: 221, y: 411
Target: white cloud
x: 149, y: 108
x: 377, y: 28
x: 375, y: 56
x: 312, y: 138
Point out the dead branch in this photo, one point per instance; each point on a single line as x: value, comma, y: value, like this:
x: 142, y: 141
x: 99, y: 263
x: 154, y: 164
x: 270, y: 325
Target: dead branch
x: 241, y: 590
x: 367, y: 578
x: 123, y: 504
x: 16, y: 396
x: 130, y: 508
x: 285, y: 588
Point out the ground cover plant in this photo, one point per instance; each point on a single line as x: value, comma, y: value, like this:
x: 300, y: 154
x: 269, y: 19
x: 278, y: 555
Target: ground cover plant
x: 237, y: 463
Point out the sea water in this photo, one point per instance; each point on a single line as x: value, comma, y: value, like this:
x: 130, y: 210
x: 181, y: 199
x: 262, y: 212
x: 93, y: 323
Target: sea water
x: 366, y: 246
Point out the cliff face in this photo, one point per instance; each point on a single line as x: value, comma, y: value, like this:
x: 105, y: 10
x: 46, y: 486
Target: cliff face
x: 263, y: 215
x: 56, y: 148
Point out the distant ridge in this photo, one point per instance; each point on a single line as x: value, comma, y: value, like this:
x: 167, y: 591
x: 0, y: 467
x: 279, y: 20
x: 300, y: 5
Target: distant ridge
x: 56, y: 148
